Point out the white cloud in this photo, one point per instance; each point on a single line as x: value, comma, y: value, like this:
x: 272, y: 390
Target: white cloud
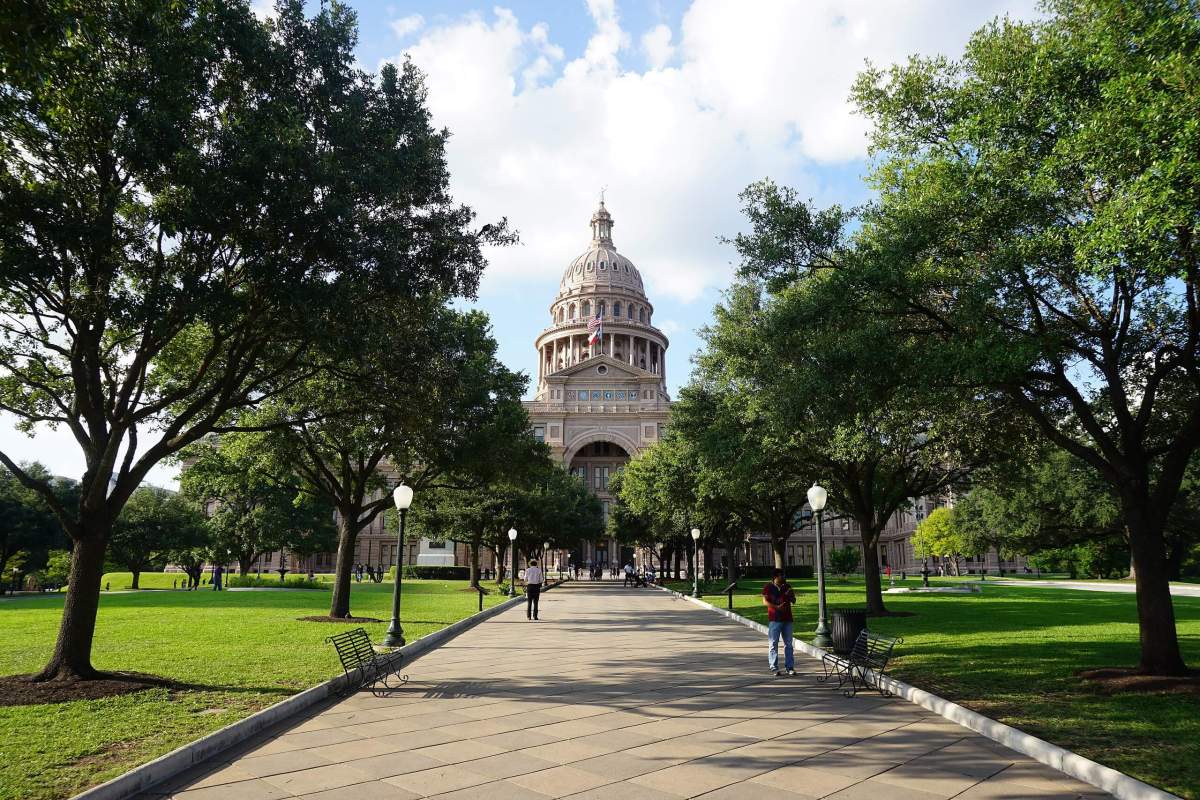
x: 263, y: 9
x: 407, y: 25
x: 751, y: 90
x: 656, y: 44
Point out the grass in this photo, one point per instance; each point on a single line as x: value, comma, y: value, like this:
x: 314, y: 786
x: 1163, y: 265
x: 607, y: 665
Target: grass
x: 123, y: 581
x: 240, y: 651
x: 1011, y: 653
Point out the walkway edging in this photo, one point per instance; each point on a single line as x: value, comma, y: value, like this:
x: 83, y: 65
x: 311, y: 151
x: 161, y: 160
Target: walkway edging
x: 1113, y: 781
x: 167, y: 766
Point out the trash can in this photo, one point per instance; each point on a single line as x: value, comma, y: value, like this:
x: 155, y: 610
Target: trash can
x: 847, y: 624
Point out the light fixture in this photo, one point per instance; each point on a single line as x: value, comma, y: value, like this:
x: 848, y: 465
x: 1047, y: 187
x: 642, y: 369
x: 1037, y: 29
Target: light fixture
x: 817, y: 497
x: 403, y: 496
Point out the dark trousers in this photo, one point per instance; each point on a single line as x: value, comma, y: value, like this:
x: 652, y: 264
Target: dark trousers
x: 532, y: 592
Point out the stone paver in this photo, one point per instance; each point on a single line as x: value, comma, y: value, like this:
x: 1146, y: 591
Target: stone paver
x: 625, y: 694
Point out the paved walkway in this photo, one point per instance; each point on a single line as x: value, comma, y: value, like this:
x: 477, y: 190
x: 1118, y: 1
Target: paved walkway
x: 1177, y: 589
x: 619, y: 693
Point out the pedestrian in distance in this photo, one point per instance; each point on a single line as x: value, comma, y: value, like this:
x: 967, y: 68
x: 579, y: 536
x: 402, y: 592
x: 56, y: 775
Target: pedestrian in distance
x: 628, y: 574
x: 533, y: 589
x: 779, y: 598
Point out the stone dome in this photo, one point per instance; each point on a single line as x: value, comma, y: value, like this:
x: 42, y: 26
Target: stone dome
x: 601, y: 266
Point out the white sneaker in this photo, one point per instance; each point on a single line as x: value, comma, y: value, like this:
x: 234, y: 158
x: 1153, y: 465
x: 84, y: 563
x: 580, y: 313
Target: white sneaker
x: 791, y: 672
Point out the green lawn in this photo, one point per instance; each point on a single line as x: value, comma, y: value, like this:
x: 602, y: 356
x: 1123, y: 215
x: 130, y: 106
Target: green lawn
x: 123, y: 581
x: 241, y: 651
x: 1010, y: 653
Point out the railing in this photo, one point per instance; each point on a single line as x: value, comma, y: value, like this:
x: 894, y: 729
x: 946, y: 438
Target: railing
x: 728, y: 592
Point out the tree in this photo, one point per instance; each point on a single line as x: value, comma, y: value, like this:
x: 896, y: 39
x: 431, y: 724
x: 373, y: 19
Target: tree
x: 937, y: 535
x: 58, y: 567
x: 251, y: 510
x: 750, y: 475
x: 471, y: 504
x: 1036, y: 219
x: 858, y: 415
x: 189, y: 200
x: 1044, y: 498
x: 418, y: 403
x: 29, y: 526
x: 152, y: 524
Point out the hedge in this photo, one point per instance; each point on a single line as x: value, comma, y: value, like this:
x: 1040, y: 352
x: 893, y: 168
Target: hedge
x: 433, y: 572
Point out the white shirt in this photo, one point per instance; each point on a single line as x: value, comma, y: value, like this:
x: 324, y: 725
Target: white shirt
x: 533, y: 575
x: 628, y: 568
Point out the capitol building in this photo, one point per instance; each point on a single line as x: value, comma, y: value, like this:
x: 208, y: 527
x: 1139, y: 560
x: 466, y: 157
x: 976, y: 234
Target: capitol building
x: 601, y: 398
x: 601, y: 380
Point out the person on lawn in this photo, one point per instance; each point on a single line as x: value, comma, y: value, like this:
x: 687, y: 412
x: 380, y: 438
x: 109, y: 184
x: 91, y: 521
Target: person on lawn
x: 779, y: 598
x: 533, y: 589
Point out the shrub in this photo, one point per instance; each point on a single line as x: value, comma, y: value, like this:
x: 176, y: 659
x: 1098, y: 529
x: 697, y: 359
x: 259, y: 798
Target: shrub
x: 265, y: 582
x: 428, y: 572
x: 845, y: 560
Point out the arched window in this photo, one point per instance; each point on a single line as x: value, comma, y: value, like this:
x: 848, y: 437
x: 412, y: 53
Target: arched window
x: 641, y: 315
x: 561, y: 313
x: 572, y: 311
x: 600, y: 309
x: 601, y: 265
x: 616, y: 309
x: 587, y: 308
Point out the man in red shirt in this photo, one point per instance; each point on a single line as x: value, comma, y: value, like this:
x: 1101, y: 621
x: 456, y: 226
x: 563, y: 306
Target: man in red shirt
x: 779, y: 598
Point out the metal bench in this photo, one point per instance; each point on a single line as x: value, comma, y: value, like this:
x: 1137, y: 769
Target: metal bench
x: 364, y: 667
x: 863, y: 666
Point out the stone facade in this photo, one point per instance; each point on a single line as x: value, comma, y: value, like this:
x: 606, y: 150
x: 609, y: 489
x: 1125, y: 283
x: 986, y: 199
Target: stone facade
x: 601, y: 384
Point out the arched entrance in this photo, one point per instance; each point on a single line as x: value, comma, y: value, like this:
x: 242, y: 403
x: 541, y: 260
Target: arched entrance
x: 595, y: 462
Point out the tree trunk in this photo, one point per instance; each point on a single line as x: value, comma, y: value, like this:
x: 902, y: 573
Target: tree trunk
x: 1132, y: 567
x: 474, y: 563
x: 244, y: 564
x: 708, y: 562
x: 72, y: 659
x: 137, y: 574
x: 339, y: 605
x: 1156, y: 613
x: 676, y: 558
x: 870, y: 543
x: 779, y: 551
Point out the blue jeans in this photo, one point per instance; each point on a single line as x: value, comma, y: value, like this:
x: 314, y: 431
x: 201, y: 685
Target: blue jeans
x: 774, y: 631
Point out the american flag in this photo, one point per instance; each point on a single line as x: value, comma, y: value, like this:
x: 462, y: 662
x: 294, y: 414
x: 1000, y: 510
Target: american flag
x: 596, y: 329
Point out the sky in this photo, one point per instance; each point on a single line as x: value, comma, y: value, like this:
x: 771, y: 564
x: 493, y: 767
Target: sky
x: 672, y: 107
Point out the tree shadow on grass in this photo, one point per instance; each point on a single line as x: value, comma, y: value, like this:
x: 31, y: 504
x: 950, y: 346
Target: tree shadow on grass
x: 21, y: 690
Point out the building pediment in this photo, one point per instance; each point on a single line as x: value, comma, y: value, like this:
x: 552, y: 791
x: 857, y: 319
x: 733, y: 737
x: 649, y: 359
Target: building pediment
x: 596, y: 368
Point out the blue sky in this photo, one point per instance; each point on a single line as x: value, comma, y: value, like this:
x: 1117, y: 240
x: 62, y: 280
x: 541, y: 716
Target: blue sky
x: 673, y: 105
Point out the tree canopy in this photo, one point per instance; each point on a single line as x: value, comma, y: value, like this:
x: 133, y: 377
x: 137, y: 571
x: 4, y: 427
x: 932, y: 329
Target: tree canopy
x: 190, y: 201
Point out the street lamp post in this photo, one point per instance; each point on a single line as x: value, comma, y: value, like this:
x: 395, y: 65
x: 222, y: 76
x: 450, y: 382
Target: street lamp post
x: 512, y: 576
x: 695, y: 562
x: 402, y: 496
x: 816, y: 498
x: 545, y: 560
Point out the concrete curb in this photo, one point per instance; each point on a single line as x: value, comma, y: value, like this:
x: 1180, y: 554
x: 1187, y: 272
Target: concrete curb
x: 141, y: 778
x: 1110, y: 780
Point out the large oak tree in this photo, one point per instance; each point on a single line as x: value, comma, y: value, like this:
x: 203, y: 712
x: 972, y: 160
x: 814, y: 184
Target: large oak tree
x: 188, y: 199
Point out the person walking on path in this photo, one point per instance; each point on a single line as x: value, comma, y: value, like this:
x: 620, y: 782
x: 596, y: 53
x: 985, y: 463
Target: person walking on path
x: 628, y: 574
x: 779, y: 598
x: 533, y: 589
